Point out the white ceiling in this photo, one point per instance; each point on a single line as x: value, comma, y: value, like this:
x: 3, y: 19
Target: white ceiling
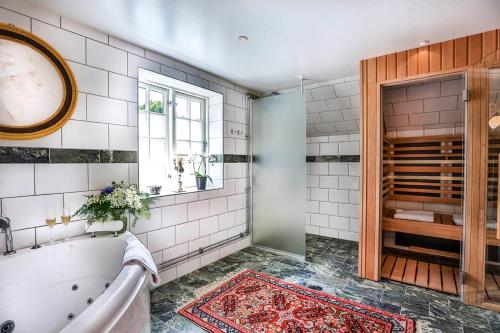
x: 321, y: 39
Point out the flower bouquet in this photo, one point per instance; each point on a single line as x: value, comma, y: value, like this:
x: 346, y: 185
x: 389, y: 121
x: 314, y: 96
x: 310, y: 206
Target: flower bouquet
x: 116, y: 202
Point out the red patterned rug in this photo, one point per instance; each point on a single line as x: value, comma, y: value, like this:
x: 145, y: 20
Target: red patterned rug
x: 254, y: 302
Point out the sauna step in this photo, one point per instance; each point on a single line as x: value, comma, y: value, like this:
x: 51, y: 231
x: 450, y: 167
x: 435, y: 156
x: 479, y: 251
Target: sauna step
x: 492, y: 287
x: 421, y: 273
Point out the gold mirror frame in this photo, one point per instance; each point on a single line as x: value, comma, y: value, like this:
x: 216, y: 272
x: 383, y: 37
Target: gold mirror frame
x: 69, y: 95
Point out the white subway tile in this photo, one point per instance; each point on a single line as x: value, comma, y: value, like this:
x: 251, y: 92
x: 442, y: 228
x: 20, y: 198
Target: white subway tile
x: 312, y: 149
x: 90, y: 80
x: 84, y: 135
x: 331, y: 148
x: 339, y: 222
x: 161, y: 239
x: 218, y: 206
x: 175, y: 251
x: 349, y: 210
x: 328, y: 181
x: 319, y: 220
x: 50, y: 141
x: 122, y: 87
x: 440, y: 104
x: 319, y: 168
x: 408, y: 107
x: 84, y: 30
x: 188, y: 267
x: 209, y: 226
x: 58, y: 178
x: 70, y: 45
x: 234, y: 202
x: 354, y: 197
x: 135, y: 62
x: 227, y: 220
x: 348, y: 235
x: 29, y: 212
x: 122, y: 137
x: 16, y: 180
x: 427, y: 118
x: 320, y: 194
x: 80, y: 112
x: 339, y: 103
x: 145, y: 225
x: 31, y: 9
x: 341, y: 196
x: 164, y: 60
x: 349, y: 182
x: 187, y: 197
x: 327, y: 232
x: 16, y: 19
x: 106, y: 57
x: 349, y: 148
x: 106, y: 110
x: 338, y: 168
x: 173, y: 215
x: 187, y: 232
x: 312, y: 206
x: 198, y: 210
x: 209, y: 258
x: 347, y: 89
x: 126, y: 46
x: 312, y: 181
x: 322, y: 93
x: 103, y: 174
x: 132, y: 114
x: 329, y: 208
x: 423, y: 91
x: 173, y: 73
x: 199, y: 243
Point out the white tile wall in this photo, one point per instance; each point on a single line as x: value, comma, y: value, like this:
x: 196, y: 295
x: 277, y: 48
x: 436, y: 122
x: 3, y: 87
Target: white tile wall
x: 105, y: 69
x: 333, y: 107
x: 333, y: 189
x: 428, y: 108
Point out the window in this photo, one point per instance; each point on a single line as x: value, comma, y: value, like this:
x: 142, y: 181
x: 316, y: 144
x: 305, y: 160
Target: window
x: 190, y: 125
x: 171, y: 122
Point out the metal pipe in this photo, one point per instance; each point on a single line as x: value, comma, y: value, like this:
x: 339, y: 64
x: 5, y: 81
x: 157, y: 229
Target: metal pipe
x: 248, y: 190
x: 198, y: 252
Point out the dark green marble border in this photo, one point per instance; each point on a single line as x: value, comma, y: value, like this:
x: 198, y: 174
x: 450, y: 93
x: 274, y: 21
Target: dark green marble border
x: 333, y: 158
x: 57, y: 155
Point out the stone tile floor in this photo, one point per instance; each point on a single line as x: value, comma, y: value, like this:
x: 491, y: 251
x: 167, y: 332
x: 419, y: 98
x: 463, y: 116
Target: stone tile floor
x: 330, y: 266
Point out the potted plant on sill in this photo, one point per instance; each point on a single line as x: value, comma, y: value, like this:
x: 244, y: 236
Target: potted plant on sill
x: 199, y: 163
x: 115, y: 203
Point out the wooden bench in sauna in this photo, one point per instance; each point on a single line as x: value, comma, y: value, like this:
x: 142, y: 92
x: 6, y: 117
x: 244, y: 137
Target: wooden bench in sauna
x: 426, y: 169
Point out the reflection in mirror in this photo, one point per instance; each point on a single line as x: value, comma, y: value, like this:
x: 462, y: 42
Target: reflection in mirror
x: 180, y: 128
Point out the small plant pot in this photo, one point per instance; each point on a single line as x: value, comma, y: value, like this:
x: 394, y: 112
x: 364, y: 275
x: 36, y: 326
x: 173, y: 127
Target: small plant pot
x: 201, y: 183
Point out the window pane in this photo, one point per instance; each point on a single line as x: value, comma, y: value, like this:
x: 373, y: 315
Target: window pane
x: 158, y: 126
x: 158, y: 150
x: 195, y: 110
x: 196, y: 131
x: 181, y: 129
x: 142, y: 99
x: 196, y: 147
x: 143, y: 124
x: 181, y: 109
x: 182, y: 148
x: 156, y: 103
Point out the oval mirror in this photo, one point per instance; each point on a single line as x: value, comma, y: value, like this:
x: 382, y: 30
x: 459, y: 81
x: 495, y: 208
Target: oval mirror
x: 37, y: 88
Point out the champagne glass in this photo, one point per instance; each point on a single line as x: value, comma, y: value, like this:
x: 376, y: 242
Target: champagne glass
x: 65, y: 219
x: 50, y: 220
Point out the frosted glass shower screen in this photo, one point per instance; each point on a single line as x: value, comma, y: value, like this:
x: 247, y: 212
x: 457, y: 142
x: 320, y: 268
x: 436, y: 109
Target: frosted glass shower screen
x: 279, y: 133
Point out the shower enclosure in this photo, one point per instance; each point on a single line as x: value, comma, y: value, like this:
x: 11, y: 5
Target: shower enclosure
x: 278, y: 172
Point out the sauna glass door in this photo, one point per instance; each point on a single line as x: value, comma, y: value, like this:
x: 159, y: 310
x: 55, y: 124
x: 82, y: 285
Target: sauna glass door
x: 491, y: 290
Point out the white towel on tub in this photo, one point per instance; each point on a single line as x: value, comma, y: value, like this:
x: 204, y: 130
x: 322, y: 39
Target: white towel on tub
x: 137, y: 253
x: 458, y: 219
x: 414, y: 215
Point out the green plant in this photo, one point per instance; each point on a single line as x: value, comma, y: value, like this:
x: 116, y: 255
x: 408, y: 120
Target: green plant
x: 199, y: 163
x: 156, y: 106
x: 114, y: 202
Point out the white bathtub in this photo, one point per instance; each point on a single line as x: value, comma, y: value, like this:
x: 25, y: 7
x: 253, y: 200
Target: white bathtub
x: 74, y: 287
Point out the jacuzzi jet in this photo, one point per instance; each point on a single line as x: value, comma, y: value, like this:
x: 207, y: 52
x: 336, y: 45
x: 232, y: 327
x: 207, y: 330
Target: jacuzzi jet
x: 74, y: 287
x: 71, y: 316
x: 90, y: 300
x: 7, y: 326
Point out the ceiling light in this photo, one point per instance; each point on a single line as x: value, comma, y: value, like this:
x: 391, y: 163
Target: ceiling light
x: 242, y: 38
x: 423, y: 43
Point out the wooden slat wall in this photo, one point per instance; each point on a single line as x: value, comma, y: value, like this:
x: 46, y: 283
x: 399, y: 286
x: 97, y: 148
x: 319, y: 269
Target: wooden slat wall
x: 441, y: 58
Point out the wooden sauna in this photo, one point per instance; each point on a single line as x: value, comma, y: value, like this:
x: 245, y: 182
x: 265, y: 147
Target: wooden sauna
x: 429, y: 170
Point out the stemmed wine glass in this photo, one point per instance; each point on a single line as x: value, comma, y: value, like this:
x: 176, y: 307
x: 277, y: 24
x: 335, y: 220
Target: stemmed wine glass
x: 65, y: 219
x: 50, y: 220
